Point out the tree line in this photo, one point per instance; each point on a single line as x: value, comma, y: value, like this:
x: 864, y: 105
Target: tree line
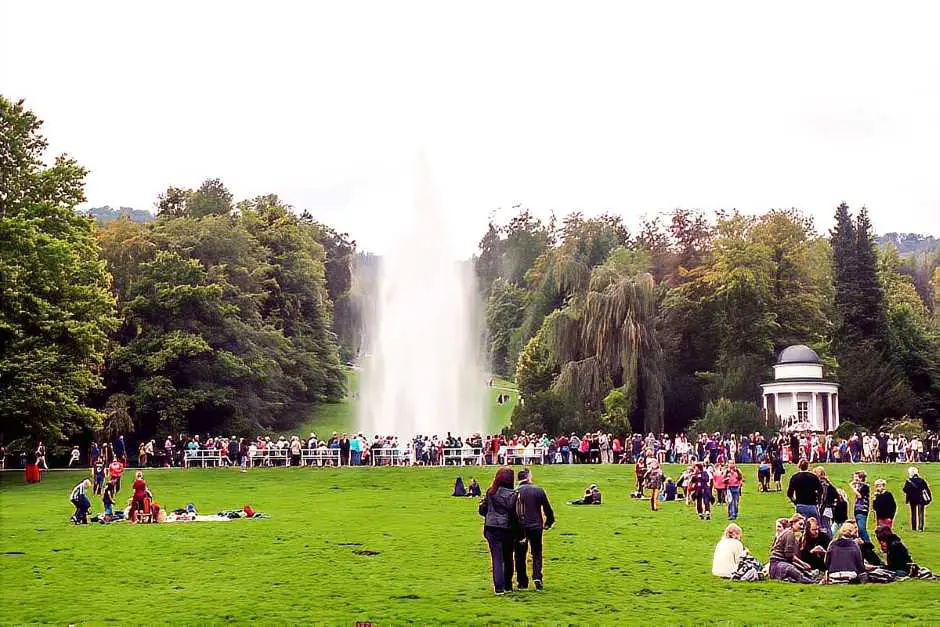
x: 681, y: 321
x: 235, y: 316
x: 217, y: 316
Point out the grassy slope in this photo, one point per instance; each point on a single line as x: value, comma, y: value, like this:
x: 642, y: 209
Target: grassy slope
x: 341, y: 417
x: 619, y: 562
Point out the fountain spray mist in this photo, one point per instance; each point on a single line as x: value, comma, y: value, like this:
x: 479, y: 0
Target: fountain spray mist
x: 421, y: 368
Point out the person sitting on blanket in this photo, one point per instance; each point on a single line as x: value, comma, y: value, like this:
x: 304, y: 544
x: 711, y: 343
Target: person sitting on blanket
x: 813, y: 544
x: 785, y: 564
x: 730, y: 555
x: 844, y: 562
x: 474, y: 489
x: 459, y: 489
x: 897, y: 556
x: 592, y: 496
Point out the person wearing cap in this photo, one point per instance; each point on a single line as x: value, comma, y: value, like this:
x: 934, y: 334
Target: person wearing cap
x: 531, y: 505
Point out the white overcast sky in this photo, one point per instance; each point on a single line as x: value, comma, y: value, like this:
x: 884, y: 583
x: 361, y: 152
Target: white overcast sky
x: 628, y: 107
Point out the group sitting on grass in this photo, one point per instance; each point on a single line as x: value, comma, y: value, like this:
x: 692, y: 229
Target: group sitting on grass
x: 461, y: 490
x: 802, y: 552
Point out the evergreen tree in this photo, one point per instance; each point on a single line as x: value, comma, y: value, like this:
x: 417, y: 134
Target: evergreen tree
x: 869, y: 313
x: 843, y: 243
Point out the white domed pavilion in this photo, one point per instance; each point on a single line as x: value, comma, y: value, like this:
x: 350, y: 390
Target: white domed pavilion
x: 799, y: 395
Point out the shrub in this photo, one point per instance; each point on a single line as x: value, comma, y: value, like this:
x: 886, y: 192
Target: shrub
x: 727, y: 416
x: 909, y: 427
x: 845, y: 429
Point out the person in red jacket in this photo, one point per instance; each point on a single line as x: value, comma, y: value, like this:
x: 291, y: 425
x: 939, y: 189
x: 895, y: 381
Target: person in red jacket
x: 140, y: 493
x: 115, y: 470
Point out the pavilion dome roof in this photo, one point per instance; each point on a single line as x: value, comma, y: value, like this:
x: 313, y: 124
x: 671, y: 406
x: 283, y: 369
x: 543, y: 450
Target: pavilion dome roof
x: 798, y: 354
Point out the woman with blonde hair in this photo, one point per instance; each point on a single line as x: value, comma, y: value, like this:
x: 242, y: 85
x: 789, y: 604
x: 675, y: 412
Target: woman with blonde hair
x: 728, y: 552
x: 844, y: 562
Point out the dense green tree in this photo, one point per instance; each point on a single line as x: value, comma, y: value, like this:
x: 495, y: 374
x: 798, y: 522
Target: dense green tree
x: 226, y: 319
x: 339, y: 260
x: 843, y: 244
x: 912, y: 343
x: 504, y: 311
x: 56, y: 308
x: 212, y: 198
x: 870, y: 316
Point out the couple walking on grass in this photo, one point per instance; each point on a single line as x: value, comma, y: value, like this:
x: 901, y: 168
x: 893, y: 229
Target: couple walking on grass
x: 513, y: 525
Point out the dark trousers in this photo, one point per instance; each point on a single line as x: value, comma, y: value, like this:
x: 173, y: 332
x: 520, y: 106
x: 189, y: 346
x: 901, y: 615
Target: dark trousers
x: 500, y: 541
x: 917, y: 517
x: 82, y: 505
x: 533, y: 541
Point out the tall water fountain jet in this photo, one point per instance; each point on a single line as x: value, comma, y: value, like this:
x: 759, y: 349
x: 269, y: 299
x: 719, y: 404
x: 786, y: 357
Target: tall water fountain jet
x: 421, y: 368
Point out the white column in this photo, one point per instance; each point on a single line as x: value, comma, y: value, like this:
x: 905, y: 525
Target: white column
x: 812, y: 412
x: 777, y: 404
x: 764, y: 396
x: 829, y: 412
x: 795, y: 409
x: 835, y: 403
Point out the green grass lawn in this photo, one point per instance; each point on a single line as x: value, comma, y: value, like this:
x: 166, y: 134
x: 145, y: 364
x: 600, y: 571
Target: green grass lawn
x: 341, y: 417
x: 427, y: 561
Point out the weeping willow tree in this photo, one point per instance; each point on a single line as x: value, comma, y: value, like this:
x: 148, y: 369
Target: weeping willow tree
x: 606, y: 338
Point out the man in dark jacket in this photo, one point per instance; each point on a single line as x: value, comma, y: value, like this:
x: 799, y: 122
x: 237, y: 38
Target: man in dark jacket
x: 530, y: 506
x: 344, y: 451
x: 917, y: 495
x: 804, y: 490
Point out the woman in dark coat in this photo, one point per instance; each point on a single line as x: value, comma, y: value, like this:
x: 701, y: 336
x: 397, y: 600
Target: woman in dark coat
x: 917, y: 495
x: 700, y: 484
x: 500, y: 526
x: 897, y: 557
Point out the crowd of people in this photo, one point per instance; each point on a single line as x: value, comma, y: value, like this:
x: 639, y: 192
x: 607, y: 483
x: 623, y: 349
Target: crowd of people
x: 356, y: 449
x: 822, y: 543
x: 106, y: 483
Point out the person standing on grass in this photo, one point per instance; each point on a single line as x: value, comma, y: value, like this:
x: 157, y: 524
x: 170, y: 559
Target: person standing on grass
x: 701, y: 490
x: 884, y: 505
x: 500, y: 526
x: 97, y: 473
x: 41, y: 457
x: 777, y: 469
x: 115, y: 470
x: 296, y: 448
x: 917, y: 494
x: 804, y: 491
x: 344, y: 445
x: 140, y: 492
x: 80, y: 501
x: 734, y: 479
x: 120, y: 451
x: 827, y: 499
x: 862, y: 503
x: 531, y: 505
x: 654, y: 481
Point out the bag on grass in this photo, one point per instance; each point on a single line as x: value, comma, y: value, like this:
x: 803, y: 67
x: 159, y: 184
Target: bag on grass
x: 748, y: 569
x: 881, y: 575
